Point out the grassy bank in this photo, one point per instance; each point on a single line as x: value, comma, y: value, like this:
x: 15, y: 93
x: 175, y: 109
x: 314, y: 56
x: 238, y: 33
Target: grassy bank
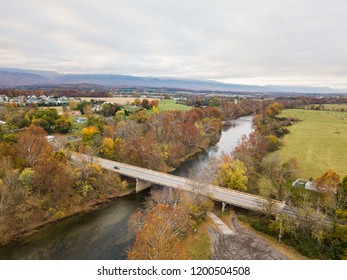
x: 199, y: 243
x: 318, y: 141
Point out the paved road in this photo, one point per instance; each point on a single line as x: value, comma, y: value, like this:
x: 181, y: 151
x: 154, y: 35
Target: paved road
x: 236, y: 198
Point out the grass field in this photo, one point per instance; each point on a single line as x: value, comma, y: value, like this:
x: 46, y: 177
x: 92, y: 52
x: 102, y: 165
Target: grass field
x: 165, y: 105
x: 319, y: 141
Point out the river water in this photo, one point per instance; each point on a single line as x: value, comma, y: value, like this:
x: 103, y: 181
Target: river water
x: 104, y: 234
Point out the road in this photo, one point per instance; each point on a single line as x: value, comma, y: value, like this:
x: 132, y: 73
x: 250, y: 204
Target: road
x: 236, y: 198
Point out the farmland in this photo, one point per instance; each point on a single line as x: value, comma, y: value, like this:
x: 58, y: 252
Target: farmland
x: 318, y: 141
x: 165, y: 105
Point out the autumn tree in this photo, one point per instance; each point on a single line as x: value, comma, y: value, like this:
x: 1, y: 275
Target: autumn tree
x: 4, y: 195
x: 159, y: 236
x: 274, y: 109
x: 328, y: 184
x: 341, y: 194
x: 154, y: 103
x: 88, y: 133
x: 143, y: 151
x: 31, y: 144
x: 140, y: 116
x: 231, y: 174
x: 120, y: 115
x: 155, y: 110
x: 328, y: 181
x: 145, y: 104
x: 137, y: 102
x: 110, y: 109
x: 107, y: 148
x: 52, y: 177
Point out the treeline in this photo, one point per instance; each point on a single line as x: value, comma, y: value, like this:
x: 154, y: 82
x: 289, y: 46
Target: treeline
x: 302, y: 102
x: 322, y: 107
x: 38, y: 185
x: 47, y: 118
x: 234, y: 107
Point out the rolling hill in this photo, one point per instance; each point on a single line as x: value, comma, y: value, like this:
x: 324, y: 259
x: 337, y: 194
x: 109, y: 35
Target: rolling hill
x: 13, y: 77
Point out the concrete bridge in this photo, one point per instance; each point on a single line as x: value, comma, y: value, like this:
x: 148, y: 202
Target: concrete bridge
x: 146, y: 177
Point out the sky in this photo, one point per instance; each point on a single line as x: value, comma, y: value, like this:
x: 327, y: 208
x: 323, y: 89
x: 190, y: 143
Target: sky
x: 262, y: 42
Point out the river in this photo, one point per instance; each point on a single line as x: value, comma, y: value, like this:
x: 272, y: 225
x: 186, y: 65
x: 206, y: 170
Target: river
x: 104, y: 234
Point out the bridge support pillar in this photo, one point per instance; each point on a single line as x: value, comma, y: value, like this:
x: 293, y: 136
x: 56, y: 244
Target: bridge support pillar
x: 224, y: 205
x: 142, y: 185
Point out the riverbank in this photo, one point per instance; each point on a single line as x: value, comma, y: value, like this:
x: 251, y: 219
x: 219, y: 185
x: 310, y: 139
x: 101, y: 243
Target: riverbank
x: 90, y: 207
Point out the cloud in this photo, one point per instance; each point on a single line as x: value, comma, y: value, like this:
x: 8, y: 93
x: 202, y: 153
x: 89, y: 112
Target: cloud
x: 258, y: 41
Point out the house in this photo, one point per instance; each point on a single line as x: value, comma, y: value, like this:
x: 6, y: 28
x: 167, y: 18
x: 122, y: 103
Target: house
x: 307, y: 184
x: 3, y: 98
x: 311, y: 186
x: 81, y: 120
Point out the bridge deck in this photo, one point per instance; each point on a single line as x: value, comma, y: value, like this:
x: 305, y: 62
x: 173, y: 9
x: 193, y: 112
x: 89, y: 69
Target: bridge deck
x: 240, y: 199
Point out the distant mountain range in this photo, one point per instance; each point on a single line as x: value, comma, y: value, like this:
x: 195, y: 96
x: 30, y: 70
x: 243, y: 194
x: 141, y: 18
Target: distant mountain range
x: 12, y: 77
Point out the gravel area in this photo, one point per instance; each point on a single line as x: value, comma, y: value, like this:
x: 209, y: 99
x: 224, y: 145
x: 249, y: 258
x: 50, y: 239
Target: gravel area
x: 243, y: 245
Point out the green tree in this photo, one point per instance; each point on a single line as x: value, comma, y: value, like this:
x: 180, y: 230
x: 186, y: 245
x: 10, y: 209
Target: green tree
x: 46, y: 118
x: 63, y: 125
x: 279, y: 172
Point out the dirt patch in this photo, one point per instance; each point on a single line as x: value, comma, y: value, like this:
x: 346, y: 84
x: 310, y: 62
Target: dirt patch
x: 244, y: 245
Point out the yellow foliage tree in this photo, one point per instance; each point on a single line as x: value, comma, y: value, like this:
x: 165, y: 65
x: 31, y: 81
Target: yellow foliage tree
x: 232, y: 174
x: 155, y: 110
x: 89, y: 132
x: 274, y: 109
x: 107, y: 148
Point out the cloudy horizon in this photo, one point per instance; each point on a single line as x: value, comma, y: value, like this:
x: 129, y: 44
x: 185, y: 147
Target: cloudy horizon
x: 258, y: 42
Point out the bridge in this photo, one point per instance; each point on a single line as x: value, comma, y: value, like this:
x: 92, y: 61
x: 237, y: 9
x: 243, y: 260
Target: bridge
x: 146, y: 177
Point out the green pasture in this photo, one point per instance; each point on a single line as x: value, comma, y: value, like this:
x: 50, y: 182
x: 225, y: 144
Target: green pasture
x: 318, y: 141
x: 165, y: 105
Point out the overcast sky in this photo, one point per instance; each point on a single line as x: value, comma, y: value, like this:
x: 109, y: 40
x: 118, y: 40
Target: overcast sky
x: 290, y: 42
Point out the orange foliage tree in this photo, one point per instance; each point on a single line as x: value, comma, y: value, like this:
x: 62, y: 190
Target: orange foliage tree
x: 32, y: 144
x: 159, y: 236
